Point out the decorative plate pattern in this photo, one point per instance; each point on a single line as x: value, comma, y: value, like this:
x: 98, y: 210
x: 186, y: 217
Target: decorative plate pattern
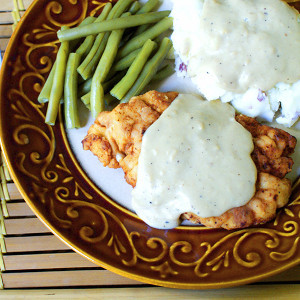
x: 59, y: 192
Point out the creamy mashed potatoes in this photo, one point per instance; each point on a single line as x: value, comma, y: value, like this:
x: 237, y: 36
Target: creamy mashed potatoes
x: 242, y: 51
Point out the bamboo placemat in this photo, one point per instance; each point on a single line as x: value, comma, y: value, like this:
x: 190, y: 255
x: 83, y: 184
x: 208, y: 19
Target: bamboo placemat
x: 32, y: 257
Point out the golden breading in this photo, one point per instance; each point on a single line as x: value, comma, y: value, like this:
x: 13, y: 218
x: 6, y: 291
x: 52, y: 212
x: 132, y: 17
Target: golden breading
x: 116, y: 137
x: 272, y: 147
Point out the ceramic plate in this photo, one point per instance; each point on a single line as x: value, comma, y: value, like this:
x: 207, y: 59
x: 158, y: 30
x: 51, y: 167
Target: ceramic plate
x: 57, y: 186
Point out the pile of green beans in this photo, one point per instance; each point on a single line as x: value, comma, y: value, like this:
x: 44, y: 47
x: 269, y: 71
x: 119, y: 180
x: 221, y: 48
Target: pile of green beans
x: 108, y: 58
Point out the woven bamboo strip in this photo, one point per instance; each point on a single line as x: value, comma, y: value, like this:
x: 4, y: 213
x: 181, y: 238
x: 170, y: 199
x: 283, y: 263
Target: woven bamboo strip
x: 265, y: 291
x: 5, y: 18
x: 24, y: 226
x: 7, y: 5
x: 25, y: 244
x: 13, y: 192
x: 75, y: 278
x: 46, y: 261
x: 73, y: 260
x: 20, y: 209
x: 5, y: 31
x: 64, y: 279
x: 3, y: 43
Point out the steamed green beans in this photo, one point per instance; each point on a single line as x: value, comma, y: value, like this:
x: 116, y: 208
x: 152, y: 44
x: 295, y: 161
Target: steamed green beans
x: 105, y: 63
x: 109, y: 60
x: 86, y: 46
x: 86, y: 21
x: 135, y: 6
x: 70, y: 91
x: 133, y: 72
x: 149, y: 6
x: 126, y: 61
x: 107, y: 12
x: 164, y: 72
x: 109, y: 25
x: 151, y: 33
x: 46, y: 90
x: 89, y: 64
x: 121, y: 7
x: 85, y: 88
x: 149, y: 70
x: 58, y: 83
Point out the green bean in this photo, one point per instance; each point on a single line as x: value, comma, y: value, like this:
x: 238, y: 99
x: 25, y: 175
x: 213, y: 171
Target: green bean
x: 135, y: 6
x: 119, y: 8
x: 89, y: 64
x: 109, y: 55
x: 86, y: 98
x: 108, y: 85
x: 58, y: 83
x: 86, y: 21
x: 85, y: 88
x: 104, y: 65
x: 109, y: 25
x: 46, y: 90
x: 96, y: 98
x: 108, y: 99
x: 133, y: 72
x: 70, y: 92
x: 140, y: 30
x: 149, y: 6
x: 86, y: 46
x: 125, y: 62
x: 151, y: 33
x: 149, y: 70
x: 171, y: 54
x: 86, y: 67
x: 88, y: 106
x: 164, y: 72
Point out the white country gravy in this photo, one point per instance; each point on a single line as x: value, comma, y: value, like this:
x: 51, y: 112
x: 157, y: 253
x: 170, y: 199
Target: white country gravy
x: 194, y: 158
x: 239, y: 44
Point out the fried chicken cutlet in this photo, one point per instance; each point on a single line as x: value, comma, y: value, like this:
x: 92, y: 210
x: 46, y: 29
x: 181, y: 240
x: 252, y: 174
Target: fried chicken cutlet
x: 116, y: 138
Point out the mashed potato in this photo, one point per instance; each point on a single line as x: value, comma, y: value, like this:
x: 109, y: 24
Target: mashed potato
x: 241, y: 51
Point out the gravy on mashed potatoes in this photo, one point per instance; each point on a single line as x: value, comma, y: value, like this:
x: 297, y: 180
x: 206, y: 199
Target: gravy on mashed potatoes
x: 244, y: 51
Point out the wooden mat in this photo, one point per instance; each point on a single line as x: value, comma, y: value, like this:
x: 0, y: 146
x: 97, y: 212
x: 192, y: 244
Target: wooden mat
x: 32, y: 257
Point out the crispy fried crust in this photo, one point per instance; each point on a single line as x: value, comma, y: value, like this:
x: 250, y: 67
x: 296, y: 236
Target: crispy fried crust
x: 116, y: 137
x: 272, y: 147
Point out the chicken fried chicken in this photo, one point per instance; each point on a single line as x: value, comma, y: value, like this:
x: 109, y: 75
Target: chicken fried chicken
x: 116, y: 138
